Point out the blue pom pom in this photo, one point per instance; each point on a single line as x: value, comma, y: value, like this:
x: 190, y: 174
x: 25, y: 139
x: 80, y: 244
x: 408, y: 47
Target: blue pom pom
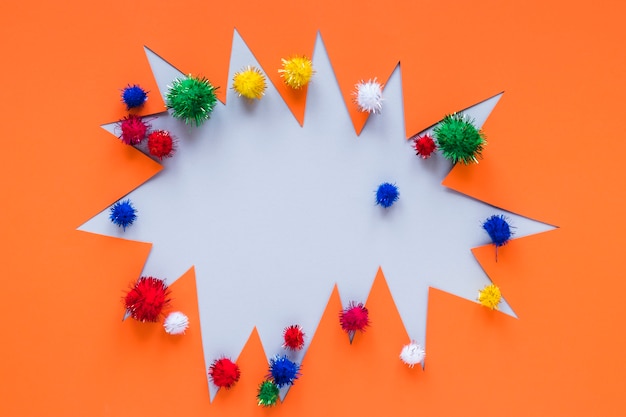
x: 283, y: 371
x: 387, y: 194
x: 134, y: 96
x: 123, y: 214
x: 498, y: 229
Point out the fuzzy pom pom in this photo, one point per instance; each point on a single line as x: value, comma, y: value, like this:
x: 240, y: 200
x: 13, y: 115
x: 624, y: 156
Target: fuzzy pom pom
x: 297, y: 71
x: 424, y: 146
x: 387, y: 194
x: 176, y: 323
x: 161, y: 144
x: 412, y: 354
x: 123, y: 214
x: 224, y: 373
x: 459, y: 140
x: 267, y: 394
x: 134, y: 96
x: 283, y: 371
x: 354, y: 317
x: 498, y: 229
x: 293, y: 337
x: 369, y: 96
x: 134, y: 130
x: 249, y: 83
x: 191, y: 99
x: 146, y: 299
x: 490, y: 296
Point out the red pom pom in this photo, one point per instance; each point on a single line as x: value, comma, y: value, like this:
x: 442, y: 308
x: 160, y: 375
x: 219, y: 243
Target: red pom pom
x: 353, y: 318
x: 294, y: 337
x: 146, y: 300
x: 160, y: 144
x: 224, y: 372
x: 134, y: 130
x: 424, y: 146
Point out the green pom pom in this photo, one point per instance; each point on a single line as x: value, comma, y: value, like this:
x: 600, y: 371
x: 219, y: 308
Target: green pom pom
x: 191, y: 99
x: 268, y: 393
x: 459, y: 140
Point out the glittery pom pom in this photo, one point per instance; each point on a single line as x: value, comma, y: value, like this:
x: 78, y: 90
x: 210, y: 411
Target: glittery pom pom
x: 123, y: 214
x: 283, y: 371
x: 424, y: 146
x: 267, y: 394
x: 387, y: 194
x: 146, y: 299
x: 369, y: 96
x: 459, y: 140
x: 354, y: 317
x: 176, y: 323
x: 498, y: 229
x: 224, y: 373
x: 161, y: 144
x: 134, y: 130
x: 134, y: 96
x: 293, y: 337
x: 412, y: 354
x: 297, y: 71
x: 490, y: 296
x: 249, y: 83
x: 191, y: 99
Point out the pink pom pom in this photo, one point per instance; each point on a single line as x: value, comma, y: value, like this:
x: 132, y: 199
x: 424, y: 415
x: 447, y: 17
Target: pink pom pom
x: 354, y: 317
x: 134, y: 130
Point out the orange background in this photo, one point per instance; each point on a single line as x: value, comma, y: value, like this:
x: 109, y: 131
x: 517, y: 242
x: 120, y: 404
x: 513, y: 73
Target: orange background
x: 556, y: 150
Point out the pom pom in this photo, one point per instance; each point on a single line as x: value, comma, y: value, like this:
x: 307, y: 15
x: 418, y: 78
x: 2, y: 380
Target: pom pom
x: 354, y: 317
x: 146, y: 299
x: 267, y: 394
x: 293, y: 337
x: 498, y: 229
x: 160, y: 144
x: 459, y: 140
x: 134, y: 96
x: 176, y: 323
x: 490, y: 296
x: 387, y: 194
x: 249, y: 83
x: 134, y: 130
x: 283, y: 371
x: 191, y: 99
x: 297, y: 71
x: 412, y: 354
x: 123, y: 214
x: 369, y: 96
x: 424, y: 146
x: 224, y: 373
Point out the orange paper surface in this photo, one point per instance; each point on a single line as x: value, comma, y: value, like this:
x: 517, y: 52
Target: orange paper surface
x: 556, y: 145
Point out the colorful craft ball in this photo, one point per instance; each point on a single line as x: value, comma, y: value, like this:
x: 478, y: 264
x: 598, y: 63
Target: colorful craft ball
x: 459, y: 140
x: 498, y: 229
x: 424, y: 146
x: 296, y: 71
x: 412, y: 354
x: 123, y: 214
x: 369, y: 96
x: 293, y: 337
x: 133, y: 129
x: 134, y: 96
x: 224, y: 373
x: 490, y: 296
x: 249, y: 83
x: 146, y: 299
x: 387, y: 194
x: 354, y: 317
x: 267, y: 394
x: 283, y: 371
x: 191, y: 99
x: 176, y: 323
x: 160, y: 144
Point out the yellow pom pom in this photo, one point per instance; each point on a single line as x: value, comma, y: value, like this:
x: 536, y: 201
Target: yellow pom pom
x: 490, y: 296
x: 297, y: 71
x: 249, y: 83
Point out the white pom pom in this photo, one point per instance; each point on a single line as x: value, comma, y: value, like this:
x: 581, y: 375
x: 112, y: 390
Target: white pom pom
x: 176, y: 323
x: 412, y: 354
x: 369, y: 96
